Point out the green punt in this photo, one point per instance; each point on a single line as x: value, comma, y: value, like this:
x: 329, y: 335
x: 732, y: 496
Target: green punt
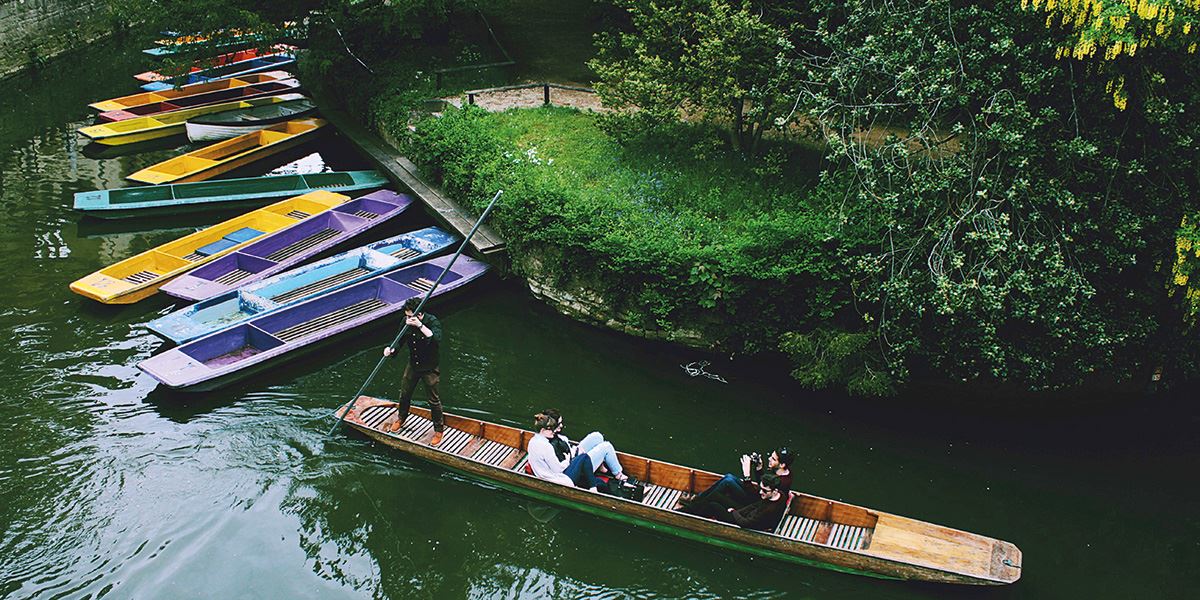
x: 219, y: 193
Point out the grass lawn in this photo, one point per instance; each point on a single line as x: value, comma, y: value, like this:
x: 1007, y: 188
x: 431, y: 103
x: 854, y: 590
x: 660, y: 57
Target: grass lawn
x: 684, y: 179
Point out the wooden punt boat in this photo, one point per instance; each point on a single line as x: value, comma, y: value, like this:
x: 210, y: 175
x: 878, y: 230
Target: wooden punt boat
x: 276, y: 87
x: 218, y: 194
x: 271, y: 62
x: 228, y: 155
x: 815, y: 531
x: 254, y: 345
x: 141, y: 129
x: 300, y: 284
x: 232, y: 123
x: 217, y: 61
x: 186, y: 43
x: 140, y: 276
x: 288, y: 247
x: 132, y: 100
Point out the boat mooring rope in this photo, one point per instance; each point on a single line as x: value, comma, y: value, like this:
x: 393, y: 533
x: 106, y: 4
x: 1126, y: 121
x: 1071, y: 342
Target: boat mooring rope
x: 696, y: 369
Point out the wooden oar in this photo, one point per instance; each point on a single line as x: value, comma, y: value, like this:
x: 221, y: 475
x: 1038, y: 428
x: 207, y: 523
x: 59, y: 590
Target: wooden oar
x: 404, y: 329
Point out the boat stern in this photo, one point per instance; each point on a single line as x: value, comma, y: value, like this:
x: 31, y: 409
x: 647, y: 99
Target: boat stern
x: 109, y: 290
x: 1006, y: 562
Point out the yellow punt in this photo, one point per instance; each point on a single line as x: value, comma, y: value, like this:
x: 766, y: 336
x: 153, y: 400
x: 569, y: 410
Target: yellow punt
x: 188, y: 90
x: 230, y: 154
x: 162, y: 125
x: 140, y: 276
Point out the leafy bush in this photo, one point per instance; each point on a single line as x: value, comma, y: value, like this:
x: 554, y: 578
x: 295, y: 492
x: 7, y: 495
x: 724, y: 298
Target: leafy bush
x: 673, y: 230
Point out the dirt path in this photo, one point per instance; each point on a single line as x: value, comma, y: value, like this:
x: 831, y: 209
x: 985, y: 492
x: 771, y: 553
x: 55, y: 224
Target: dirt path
x: 532, y: 98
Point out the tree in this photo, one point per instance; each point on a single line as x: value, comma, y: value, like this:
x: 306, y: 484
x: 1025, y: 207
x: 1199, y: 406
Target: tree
x: 701, y: 58
x: 1025, y: 221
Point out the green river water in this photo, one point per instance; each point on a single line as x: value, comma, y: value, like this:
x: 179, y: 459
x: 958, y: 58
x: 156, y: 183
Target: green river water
x: 110, y: 487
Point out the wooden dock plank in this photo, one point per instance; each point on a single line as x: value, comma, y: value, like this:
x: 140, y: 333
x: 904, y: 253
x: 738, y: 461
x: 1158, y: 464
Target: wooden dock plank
x: 401, y: 170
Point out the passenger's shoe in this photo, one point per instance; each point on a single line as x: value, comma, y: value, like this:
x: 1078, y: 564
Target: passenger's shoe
x: 437, y: 438
x: 396, y: 426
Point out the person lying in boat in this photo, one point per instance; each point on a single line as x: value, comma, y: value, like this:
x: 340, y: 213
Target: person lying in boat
x: 734, y: 491
x: 578, y: 471
x: 763, y: 514
x: 601, y: 451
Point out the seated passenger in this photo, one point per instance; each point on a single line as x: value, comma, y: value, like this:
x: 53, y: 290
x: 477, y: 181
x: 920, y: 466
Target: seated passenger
x: 764, y: 514
x: 545, y: 464
x: 602, y: 453
x: 732, y: 491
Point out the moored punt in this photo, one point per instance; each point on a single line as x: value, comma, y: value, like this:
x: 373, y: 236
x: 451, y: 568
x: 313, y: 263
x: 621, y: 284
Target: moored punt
x: 261, y: 342
x: 815, y: 531
x: 185, y: 43
x: 300, y: 284
x: 243, y: 92
x: 230, y: 58
x: 132, y: 100
x: 232, y: 123
x: 270, y: 62
x: 150, y: 200
x: 228, y: 155
x: 288, y: 247
x: 141, y: 129
x: 142, y: 275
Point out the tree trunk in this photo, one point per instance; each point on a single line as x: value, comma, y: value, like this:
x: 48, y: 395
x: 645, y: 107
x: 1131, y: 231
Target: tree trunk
x: 738, y: 111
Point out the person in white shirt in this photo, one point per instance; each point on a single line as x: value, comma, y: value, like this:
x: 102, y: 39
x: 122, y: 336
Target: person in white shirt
x: 578, y: 471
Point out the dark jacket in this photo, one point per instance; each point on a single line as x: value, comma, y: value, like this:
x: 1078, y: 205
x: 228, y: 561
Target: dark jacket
x: 763, y: 515
x: 423, y: 353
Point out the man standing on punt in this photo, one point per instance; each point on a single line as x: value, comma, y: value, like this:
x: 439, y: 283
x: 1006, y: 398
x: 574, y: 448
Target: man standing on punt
x: 423, y: 339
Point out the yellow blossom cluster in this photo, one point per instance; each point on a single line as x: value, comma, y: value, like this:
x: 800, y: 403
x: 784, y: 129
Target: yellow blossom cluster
x: 1116, y: 28
x: 1187, y: 264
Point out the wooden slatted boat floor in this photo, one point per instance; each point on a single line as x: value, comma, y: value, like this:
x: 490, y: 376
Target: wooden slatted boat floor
x: 318, y: 285
x: 406, y: 253
x: 302, y: 244
x: 419, y: 429
x: 141, y: 277
x: 455, y: 441
x: 233, y: 277
x: 332, y: 319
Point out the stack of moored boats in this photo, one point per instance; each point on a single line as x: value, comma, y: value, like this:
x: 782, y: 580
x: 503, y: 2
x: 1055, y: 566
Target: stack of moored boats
x: 257, y: 302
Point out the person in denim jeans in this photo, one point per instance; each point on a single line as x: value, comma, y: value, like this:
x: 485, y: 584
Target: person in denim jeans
x: 732, y: 491
x: 545, y: 464
x: 601, y: 451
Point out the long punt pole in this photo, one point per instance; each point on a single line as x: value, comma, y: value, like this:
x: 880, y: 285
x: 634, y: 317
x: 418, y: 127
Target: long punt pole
x: 404, y: 329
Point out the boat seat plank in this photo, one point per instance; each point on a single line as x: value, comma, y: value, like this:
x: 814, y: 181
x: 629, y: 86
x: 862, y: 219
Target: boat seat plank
x: 320, y: 284
x: 661, y: 497
x: 244, y: 234
x: 302, y: 244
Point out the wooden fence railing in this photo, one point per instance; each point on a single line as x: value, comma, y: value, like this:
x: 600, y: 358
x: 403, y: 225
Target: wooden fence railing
x: 544, y: 85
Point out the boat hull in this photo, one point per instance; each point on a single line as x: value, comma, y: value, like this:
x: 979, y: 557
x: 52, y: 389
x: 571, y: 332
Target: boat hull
x: 259, y: 343
x: 250, y: 192
x: 280, y: 291
x: 226, y: 156
x: 636, y: 513
x: 141, y: 275
x: 289, y: 247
